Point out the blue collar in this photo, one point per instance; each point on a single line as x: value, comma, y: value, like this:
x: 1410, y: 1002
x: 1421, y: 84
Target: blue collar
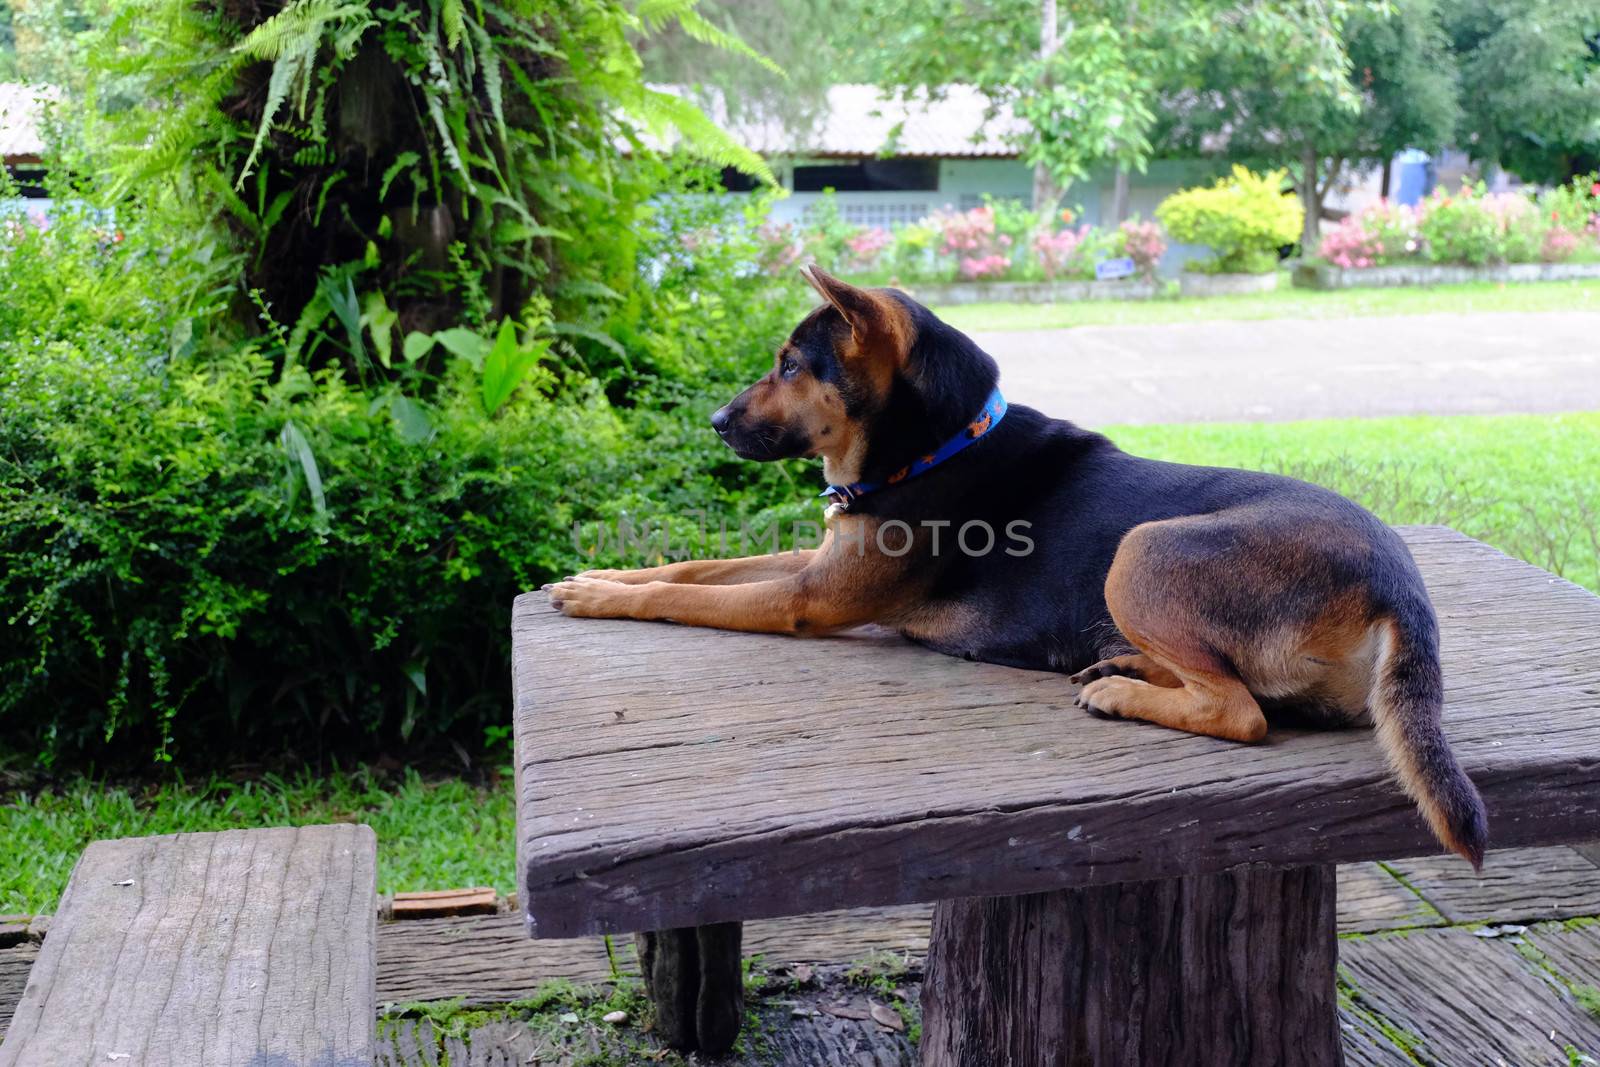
x: 994, y: 409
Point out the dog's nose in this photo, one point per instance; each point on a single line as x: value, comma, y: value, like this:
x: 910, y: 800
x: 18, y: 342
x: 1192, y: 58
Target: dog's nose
x: 719, y: 421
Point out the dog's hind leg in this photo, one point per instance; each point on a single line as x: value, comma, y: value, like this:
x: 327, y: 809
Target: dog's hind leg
x: 1206, y: 703
x: 1156, y: 600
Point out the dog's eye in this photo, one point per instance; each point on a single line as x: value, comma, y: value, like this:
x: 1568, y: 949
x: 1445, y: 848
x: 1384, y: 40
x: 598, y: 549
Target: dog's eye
x: 788, y: 368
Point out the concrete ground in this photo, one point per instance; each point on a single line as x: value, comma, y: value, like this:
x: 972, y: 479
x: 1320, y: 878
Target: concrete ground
x: 1280, y: 369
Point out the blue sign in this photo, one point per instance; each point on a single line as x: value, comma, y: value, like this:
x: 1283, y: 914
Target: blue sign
x: 1107, y: 269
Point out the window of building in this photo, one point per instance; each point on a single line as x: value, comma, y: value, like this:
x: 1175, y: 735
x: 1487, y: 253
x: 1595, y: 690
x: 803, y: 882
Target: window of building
x: 869, y: 176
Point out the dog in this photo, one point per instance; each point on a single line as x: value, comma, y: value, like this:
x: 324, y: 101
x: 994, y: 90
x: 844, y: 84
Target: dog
x: 1197, y: 598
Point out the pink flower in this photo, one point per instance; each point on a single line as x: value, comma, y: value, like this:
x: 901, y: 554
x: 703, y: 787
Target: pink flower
x: 1055, y: 249
x: 974, y: 267
x: 868, y: 244
x: 970, y: 237
x: 1559, y: 244
x: 1144, y: 244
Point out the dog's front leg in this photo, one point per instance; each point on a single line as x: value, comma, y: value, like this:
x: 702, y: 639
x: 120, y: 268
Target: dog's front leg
x: 779, y: 606
x: 714, y: 571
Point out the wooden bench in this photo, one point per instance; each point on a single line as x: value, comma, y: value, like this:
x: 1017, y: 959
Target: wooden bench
x: 248, y: 947
x: 1110, y: 893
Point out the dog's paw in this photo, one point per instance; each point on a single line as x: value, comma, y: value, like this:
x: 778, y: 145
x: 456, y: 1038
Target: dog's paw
x: 1106, y: 668
x: 582, y: 597
x: 625, y: 577
x: 1104, y: 698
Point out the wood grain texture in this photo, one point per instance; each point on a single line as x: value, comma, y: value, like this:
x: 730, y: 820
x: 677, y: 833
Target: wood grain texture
x: 1573, y: 952
x: 695, y: 981
x: 244, y: 947
x: 1371, y: 899
x: 15, y: 964
x: 490, y: 960
x: 786, y: 1040
x: 438, y: 903
x: 1517, y: 886
x: 1464, y: 999
x: 754, y: 776
x: 1234, y: 968
x: 791, y: 1032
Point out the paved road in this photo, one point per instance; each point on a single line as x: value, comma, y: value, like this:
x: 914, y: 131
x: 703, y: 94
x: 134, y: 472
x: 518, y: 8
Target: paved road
x: 1279, y: 369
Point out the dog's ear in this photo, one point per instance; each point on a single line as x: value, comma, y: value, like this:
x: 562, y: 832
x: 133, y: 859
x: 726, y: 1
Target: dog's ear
x: 860, y: 308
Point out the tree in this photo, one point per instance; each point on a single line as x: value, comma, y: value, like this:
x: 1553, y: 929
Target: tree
x: 1398, y: 91
x: 430, y: 156
x: 1093, y: 99
x: 1532, y: 68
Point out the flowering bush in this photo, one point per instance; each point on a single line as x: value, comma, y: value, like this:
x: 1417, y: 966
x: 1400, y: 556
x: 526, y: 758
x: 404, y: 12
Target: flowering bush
x: 999, y: 240
x: 1380, y: 233
x: 1472, y: 227
x: 1349, y: 244
x: 777, y: 248
x: 1144, y: 244
x: 971, y: 238
x: 1559, y: 245
x: 1244, y: 218
x: 866, y: 246
x: 1055, y: 250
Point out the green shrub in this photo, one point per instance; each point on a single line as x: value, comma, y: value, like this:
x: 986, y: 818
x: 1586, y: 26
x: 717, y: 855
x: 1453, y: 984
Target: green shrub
x: 1473, y: 227
x: 207, y: 547
x: 372, y: 308
x: 1244, y: 219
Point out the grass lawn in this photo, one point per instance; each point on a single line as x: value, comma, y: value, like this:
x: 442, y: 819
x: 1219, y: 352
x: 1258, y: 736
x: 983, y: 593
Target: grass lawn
x: 1285, y: 303
x: 431, y: 835
x: 1528, y: 484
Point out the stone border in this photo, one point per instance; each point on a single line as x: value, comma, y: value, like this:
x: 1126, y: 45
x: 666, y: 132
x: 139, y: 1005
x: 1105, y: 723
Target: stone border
x: 1320, y: 275
x: 1032, y: 292
x: 1195, y: 283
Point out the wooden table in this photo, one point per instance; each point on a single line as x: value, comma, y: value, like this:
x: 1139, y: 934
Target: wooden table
x: 1109, y: 892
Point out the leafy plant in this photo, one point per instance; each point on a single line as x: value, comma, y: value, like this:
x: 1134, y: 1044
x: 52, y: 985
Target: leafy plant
x: 309, y: 539
x: 1244, y: 218
x: 1473, y: 228
x: 436, y: 163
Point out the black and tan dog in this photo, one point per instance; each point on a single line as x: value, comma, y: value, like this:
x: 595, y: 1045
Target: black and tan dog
x: 1192, y: 597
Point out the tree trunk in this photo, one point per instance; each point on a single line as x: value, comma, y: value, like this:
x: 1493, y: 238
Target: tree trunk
x: 1119, y: 197
x: 1311, y: 200
x: 1234, y: 968
x: 1388, y: 177
x: 1045, y: 192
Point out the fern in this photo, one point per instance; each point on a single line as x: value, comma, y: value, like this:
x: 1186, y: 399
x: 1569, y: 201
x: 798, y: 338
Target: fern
x: 656, y: 13
x: 492, y: 87
x: 302, y: 22
x: 504, y: 131
x: 662, y: 112
x: 285, y: 71
x: 453, y: 14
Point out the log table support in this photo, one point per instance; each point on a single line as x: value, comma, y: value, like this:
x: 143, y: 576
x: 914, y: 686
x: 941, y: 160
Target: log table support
x: 694, y: 978
x: 1234, y: 968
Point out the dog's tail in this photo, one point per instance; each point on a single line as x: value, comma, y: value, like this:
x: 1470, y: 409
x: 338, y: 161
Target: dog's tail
x: 1406, y: 700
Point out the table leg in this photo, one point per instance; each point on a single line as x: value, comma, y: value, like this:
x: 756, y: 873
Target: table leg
x: 1234, y: 968
x: 694, y: 978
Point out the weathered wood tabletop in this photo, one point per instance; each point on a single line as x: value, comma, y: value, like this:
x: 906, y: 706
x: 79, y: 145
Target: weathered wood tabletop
x: 671, y: 777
